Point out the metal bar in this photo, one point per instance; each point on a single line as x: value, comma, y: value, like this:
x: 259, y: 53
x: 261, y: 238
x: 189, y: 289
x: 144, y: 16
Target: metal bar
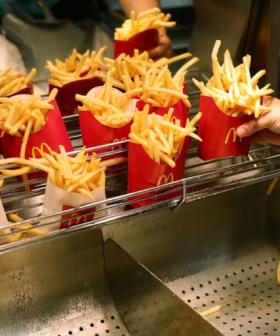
x: 192, y: 181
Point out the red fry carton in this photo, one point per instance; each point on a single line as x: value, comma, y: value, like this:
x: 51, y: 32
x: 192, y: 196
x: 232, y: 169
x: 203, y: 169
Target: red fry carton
x: 96, y: 134
x: 66, y: 94
x: 53, y: 134
x: 143, y: 173
x: 218, y: 132
x: 144, y: 41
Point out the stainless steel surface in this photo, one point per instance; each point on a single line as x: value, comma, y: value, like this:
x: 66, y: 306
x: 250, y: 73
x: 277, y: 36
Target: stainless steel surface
x: 58, y: 288
x: 246, y: 289
x: 146, y: 306
x: 199, y: 235
x: 222, y: 250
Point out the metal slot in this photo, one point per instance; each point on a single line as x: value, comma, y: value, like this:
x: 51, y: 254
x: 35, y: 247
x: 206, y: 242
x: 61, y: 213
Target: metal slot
x: 145, y: 304
x: 246, y: 289
x: 222, y: 250
x: 62, y: 287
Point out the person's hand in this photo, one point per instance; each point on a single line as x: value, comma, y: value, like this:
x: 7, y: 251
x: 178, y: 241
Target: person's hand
x: 164, y: 48
x: 267, y: 127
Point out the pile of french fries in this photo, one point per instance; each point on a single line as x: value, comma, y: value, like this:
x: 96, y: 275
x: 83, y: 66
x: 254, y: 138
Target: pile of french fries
x: 233, y: 89
x: 153, y: 82
x: 162, y: 137
x: 23, y: 115
x: 128, y: 72
x: 76, y: 66
x: 11, y: 81
x: 22, y: 235
x: 79, y: 173
x: 109, y: 105
x: 150, y: 19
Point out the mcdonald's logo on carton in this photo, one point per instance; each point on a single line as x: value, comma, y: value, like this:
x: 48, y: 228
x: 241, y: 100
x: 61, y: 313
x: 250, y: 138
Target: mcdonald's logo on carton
x: 232, y: 134
x: 163, y: 179
x: 81, y: 216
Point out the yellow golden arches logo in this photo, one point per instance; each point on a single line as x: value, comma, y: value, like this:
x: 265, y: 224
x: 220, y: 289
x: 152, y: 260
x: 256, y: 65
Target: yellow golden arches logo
x: 44, y: 148
x: 82, y: 216
x: 232, y: 132
x: 165, y: 179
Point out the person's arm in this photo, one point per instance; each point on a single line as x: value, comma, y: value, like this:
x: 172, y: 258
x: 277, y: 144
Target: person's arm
x: 267, y: 127
x: 164, y: 48
x: 138, y: 6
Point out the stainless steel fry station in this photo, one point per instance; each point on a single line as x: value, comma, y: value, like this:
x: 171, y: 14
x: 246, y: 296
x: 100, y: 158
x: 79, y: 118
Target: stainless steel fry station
x: 199, y: 255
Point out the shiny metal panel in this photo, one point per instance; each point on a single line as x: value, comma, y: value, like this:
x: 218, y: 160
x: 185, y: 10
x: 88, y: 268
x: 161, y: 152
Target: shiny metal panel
x: 56, y: 288
x: 145, y: 304
x: 247, y: 290
x: 198, y: 235
x: 221, y: 250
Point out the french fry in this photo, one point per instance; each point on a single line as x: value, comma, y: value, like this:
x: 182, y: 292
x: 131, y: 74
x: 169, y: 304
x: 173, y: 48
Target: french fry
x: 30, y: 233
x: 11, y: 81
x: 150, y: 19
x: 272, y: 186
x: 234, y: 90
x: 76, y: 66
x: 278, y: 273
x: 162, y: 137
x: 211, y: 311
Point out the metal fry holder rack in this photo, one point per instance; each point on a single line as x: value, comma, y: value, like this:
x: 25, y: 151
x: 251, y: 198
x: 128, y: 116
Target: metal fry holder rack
x: 149, y: 271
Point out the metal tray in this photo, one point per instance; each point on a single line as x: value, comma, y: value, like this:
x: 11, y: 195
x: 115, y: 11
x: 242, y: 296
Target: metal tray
x: 62, y: 287
x: 221, y: 250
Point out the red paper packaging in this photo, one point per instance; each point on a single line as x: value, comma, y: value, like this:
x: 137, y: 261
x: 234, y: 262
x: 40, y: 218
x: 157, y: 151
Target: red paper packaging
x: 144, y: 41
x: 53, y: 134
x: 218, y: 132
x: 66, y: 94
x: 95, y: 133
x: 143, y: 173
